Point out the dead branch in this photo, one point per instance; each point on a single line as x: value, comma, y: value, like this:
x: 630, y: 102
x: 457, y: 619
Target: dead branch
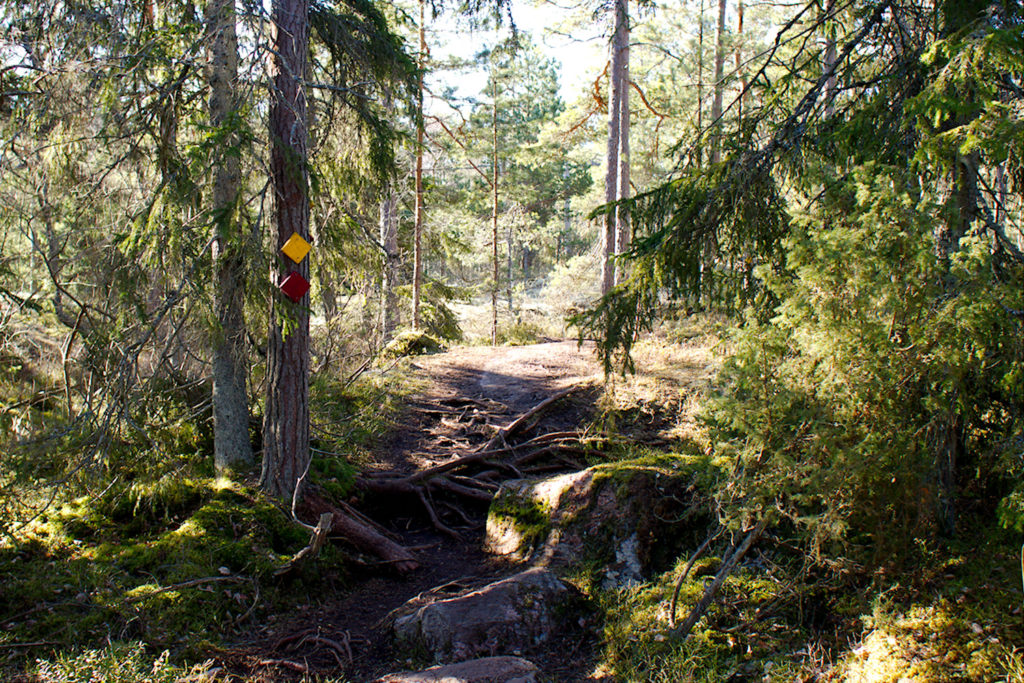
x: 316, y: 544
x: 686, y: 572
x: 359, y: 516
x: 723, y: 573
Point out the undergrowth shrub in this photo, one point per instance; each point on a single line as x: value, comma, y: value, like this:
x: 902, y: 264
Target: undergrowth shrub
x: 520, y: 333
x: 840, y: 410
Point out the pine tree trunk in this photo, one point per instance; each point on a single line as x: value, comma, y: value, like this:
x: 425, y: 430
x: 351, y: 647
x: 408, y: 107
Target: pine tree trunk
x: 494, y: 214
x: 231, y: 444
x: 716, y: 104
x: 509, y: 266
x: 286, y: 419
x: 739, y: 57
x: 389, y: 284
x: 622, y: 230
x: 620, y: 40
x: 700, y: 81
x: 417, y: 257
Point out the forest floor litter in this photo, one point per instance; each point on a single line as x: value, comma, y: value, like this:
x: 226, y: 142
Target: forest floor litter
x: 470, y: 393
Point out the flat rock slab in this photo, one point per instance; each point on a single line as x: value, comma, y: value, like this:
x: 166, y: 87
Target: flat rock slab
x: 507, y: 616
x: 485, y: 670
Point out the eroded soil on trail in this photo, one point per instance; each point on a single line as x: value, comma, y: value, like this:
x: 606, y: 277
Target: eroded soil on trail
x: 469, y: 393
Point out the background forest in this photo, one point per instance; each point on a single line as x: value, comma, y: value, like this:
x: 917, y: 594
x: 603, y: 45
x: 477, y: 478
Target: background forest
x: 824, y: 195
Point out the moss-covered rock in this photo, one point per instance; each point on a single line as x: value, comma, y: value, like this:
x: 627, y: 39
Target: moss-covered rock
x: 622, y: 521
x: 411, y: 343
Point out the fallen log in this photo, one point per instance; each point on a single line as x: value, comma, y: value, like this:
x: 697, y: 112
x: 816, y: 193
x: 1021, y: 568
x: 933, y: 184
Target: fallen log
x: 362, y: 536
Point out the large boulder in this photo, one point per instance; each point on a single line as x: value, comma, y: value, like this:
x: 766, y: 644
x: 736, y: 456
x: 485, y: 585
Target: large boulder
x: 624, y: 520
x: 485, y: 670
x: 505, y: 617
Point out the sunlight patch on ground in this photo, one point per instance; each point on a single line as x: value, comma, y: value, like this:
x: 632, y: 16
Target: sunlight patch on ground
x: 927, y: 643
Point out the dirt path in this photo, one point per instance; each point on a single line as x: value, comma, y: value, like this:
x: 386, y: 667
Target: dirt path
x: 470, y: 391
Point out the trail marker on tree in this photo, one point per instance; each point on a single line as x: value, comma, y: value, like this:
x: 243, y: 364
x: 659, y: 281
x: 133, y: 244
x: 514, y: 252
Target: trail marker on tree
x: 294, y: 286
x: 296, y: 248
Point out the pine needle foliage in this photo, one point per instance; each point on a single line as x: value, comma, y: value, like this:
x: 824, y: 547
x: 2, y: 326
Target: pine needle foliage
x: 876, y: 380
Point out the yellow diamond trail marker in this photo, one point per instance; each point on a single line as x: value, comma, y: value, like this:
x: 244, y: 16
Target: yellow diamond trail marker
x: 296, y: 248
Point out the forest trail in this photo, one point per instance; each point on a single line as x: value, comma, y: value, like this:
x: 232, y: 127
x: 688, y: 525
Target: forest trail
x: 468, y: 394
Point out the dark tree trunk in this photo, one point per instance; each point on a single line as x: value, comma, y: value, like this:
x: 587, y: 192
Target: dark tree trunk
x: 700, y: 81
x: 231, y: 444
x: 286, y: 419
x: 831, y: 85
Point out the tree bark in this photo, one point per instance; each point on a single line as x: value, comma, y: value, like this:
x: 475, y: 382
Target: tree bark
x: 231, y: 444
x: 716, y: 104
x: 417, y: 257
x: 286, y: 419
x: 622, y: 231
x: 739, y: 57
x: 389, y: 284
x: 700, y: 81
x: 494, y: 210
x: 831, y: 85
x: 620, y: 39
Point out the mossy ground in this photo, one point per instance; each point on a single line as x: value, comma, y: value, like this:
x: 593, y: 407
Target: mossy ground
x: 952, y: 622
x: 169, y: 566
x: 142, y: 581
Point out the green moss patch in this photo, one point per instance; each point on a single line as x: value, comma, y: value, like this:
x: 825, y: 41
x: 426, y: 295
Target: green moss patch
x: 164, y: 565
x: 411, y: 343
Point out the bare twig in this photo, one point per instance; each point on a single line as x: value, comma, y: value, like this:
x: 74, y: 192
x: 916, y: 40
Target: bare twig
x: 723, y: 573
x: 188, y: 584
x: 686, y: 572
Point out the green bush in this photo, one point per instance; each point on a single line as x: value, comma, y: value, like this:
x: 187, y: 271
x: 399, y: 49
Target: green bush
x: 878, y: 362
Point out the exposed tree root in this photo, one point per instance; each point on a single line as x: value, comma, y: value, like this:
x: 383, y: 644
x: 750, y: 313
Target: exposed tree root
x: 520, y: 422
x: 471, y: 476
